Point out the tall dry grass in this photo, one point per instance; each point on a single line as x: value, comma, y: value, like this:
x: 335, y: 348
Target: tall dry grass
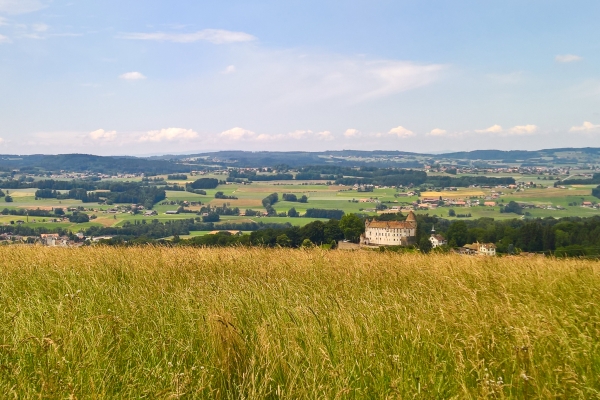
x: 98, y: 323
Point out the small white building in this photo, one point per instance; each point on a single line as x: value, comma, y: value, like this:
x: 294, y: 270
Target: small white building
x: 437, y: 240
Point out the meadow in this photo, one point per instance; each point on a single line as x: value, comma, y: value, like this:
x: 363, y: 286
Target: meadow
x: 296, y: 324
x: 319, y: 196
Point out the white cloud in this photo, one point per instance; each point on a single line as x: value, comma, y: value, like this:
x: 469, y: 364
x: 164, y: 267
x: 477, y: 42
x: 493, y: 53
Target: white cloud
x: 168, y: 135
x: 101, y: 134
x: 437, y: 132
x: 491, y: 129
x: 299, y: 134
x: 352, y: 133
x: 587, y: 127
x: 1, y: 141
x: 4, y: 39
x: 241, y: 134
x: 20, y: 6
x: 516, y: 130
x: 567, y: 58
x: 132, y: 76
x: 229, y: 70
x: 215, y: 36
x: 523, y: 130
x: 238, y: 133
x: 325, y: 135
x: 401, y: 132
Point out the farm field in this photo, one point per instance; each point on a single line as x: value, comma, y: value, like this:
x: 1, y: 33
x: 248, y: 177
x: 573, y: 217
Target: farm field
x: 296, y: 324
x: 319, y: 196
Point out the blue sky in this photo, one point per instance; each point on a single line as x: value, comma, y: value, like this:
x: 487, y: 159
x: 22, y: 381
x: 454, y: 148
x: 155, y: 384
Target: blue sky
x: 151, y: 77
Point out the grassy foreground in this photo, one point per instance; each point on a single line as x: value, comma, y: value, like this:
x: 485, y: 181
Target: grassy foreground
x: 258, y: 323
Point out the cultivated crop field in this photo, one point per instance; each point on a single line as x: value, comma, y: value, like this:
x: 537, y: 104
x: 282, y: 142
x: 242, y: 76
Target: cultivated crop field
x: 299, y: 324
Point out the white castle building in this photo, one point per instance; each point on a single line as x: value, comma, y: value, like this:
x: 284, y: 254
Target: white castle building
x: 390, y: 233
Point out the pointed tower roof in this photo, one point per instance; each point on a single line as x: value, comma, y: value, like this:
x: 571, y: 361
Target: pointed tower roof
x: 411, y: 217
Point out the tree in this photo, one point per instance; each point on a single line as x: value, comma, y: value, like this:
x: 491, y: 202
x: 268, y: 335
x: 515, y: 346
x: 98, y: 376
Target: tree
x: 59, y: 211
x: 332, y: 231
x: 79, y: 218
x: 451, y: 213
x: 303, y: 199
x: 425, y: 245
x: 352, y: 227
x: 458, y: 233
x: 306, y: 243
x: 204, y: 183
x: 8, y: 199
x: 211, y: 217
x: 284, y: 241
x: 293, y: 213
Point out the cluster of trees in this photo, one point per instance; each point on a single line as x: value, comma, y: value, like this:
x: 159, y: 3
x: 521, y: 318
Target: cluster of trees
x: 268, y: 202
x: 93, y: 164
x: 350, y: 227
x: 177, y: 177
x: 322, y: 213
x: 153, y: 230
x: 221, y: 195
x: 87, y: 191
x: 49, y: 184
x: 203, y: 183
x: 571, y: 236
x: 512, y: 207
x: 293, y: 198
x: 238, y: 176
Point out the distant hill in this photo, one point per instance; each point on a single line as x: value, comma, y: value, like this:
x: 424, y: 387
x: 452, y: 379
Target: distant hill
x: 167, y: 164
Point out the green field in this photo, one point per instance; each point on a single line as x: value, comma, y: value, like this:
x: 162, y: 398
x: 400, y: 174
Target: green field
x: 319, y: 196
x: 237, y: 323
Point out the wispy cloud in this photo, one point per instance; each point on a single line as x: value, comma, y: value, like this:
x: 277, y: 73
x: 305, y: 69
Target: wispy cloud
x: 132, y: 76
x: 215, y: 36
x: 567, y: 58
x: 238, y: 134
x: 586, y: 127
x: 491, y: 129
x: 352, y: 133
x: 523, y: 130
x: 518, y: 130
x: 437, y: 132
x: 229, y: 70
x: 168, y: 135
x: 20, y: 6
x: 401, y: 132
x: 102, y: 135
x: 4, y: 39
x: 325, y: 135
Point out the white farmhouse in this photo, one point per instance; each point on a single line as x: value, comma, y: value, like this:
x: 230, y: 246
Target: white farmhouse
x: 437, y: 240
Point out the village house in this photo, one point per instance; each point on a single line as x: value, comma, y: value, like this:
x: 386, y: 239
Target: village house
x: 482, y: 249
x: 390, y: 233
x: 437, y: 240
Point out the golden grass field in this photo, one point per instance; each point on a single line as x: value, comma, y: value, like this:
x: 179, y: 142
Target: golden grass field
x: 159, y: 323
